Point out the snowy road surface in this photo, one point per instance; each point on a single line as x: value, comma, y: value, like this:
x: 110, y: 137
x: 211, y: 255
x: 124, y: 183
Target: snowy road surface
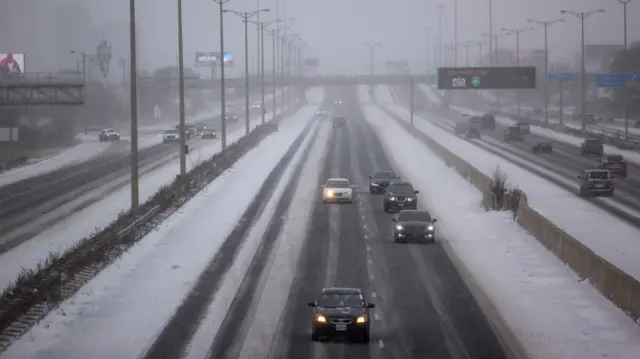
x: 264, y: 266
x: 563, y: 207
x: 99, y: 208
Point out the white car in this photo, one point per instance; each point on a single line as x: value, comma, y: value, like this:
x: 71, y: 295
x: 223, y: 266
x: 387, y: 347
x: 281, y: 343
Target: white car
x: 337, y: 190
x: 321, y: 112
x: 171, y: 136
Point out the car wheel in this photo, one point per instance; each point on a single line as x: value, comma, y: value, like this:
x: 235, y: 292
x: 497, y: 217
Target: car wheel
x: 315, y: 337
x: 365, y: 337
x: 385, y: 208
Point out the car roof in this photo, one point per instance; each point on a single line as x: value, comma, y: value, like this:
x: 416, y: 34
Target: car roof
x: 414, y: 211
x: 337, y: 179
x: 341, y: 290
x: 401, y: 182
x: 597, y: 170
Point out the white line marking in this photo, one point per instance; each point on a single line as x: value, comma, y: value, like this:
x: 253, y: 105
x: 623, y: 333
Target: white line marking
x: 369, y: 248
x: 376, y: 316
x: 380, y: 344
x: 374, y: 295
x: 370, y: 261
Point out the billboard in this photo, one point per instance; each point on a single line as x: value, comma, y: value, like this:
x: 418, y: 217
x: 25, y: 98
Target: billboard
x: 12, y: 63
x: 483, y: 78
x: 209, y: 59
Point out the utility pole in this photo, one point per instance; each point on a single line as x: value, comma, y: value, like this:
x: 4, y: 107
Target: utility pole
x: 223, y: 90
x: 627, y: 67
x: 546, y: 25
x: 133, y: 106
x: 262, y: 109
x: 245, y: 15
x: 83, y: 56
x: 455, y: 32
x: 274, y: 64
x: 440, y: 46
x: 426, y: 48
x: 517, y: 32
x: 491, y: 62
x: 183, y: 135
x: 582, y: 16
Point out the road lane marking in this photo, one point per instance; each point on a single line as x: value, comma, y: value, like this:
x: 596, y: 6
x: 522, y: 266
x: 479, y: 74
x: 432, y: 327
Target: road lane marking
x: 376, y: 316
x: 380, y: 344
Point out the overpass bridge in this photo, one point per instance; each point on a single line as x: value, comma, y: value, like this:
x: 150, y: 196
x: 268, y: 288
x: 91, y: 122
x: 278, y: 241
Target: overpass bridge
x: 33, y: 89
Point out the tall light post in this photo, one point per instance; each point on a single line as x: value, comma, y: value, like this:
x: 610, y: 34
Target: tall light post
x: 626, y: 64
x: 491, y: 38
x: 245, y: 15
x: 83, y: 57
x: 262, y: 27
x: 517, y: 32
x: 277, y: 63
x: 440, y: 46
x: 133, y: 106
x: 183, y: 140
x: 223, y: 90
x: 583, y: 73
x: 372, y: 47
x: 455, y: 33
x: 546, y: 25
x: 426, y: 48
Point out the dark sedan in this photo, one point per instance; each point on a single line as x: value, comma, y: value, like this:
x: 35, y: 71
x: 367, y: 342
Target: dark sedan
x: 341, y: 311
x: 380, y: 180
x: 414, y: 225
x: 400, y: 195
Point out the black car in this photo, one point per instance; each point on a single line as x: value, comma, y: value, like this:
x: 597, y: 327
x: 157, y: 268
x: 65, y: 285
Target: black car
x: 208, y: 133
x: 189, y: 130
x: 341, y: 311
x: 380, y: 180
x: 472, y: 132
x: 488, y: 122
x: 414, y: 225
x: 592, y: 146
x: 460, y: 128
x: 400, y: 195
x: 339, y: 122
x: 616, y: 164
x: 542, y: 147
x: 513, y: 133
x: 231, y: 117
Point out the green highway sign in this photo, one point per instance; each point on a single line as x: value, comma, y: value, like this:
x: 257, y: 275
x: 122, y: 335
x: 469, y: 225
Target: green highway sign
x: 484, y: 78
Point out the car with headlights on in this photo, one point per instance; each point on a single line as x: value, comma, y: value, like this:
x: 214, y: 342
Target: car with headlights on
x: 209, y: 134
x: 341, y: 311
x: 171, y: 136
x: 321, y: 112
x: 400, y: 195
x: 414, y: 225
x: 380, y: 180
x: 255, y: 106
x: 337, y: 190
x: 339, y: 122
x: 108, y: 135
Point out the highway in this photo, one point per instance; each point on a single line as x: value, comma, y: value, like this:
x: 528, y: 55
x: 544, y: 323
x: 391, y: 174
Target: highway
x: 23, y: 201
x: 423, y: 308
x: 565, y: 161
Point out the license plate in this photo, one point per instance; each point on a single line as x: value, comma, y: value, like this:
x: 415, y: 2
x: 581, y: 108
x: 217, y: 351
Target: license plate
x: 599, y: 185
x: 341, y: 327
x: 400, y: 204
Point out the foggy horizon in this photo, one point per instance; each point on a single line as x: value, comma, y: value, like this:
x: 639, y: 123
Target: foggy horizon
x: 335, y: 31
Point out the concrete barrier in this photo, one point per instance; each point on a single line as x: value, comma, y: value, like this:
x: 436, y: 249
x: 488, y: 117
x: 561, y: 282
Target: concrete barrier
x: 620, y: 288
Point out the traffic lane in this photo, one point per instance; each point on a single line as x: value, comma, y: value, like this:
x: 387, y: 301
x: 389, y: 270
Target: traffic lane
x: 333, y: 254
x: 436, y: 313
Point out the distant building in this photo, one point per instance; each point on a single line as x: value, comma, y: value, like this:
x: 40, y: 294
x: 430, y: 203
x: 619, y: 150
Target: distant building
x: 597, y: 58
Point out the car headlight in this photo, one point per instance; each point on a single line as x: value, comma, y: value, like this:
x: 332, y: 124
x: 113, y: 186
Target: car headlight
x: 329, y: 193
x: 430, y: 228
x: 374, y: 184
x: 321, y: 318
x: 399, y: 227
x: 409, y: 199
x: 361, y: 319
x: 392, y: 198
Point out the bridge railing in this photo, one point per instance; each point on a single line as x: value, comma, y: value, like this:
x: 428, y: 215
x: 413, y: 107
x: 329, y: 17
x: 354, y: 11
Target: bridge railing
x: 42, y: 78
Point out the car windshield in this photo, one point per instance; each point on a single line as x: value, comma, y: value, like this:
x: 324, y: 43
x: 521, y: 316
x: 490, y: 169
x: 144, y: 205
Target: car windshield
x: 523, y: 124
x: 592, y: 142
x: 598, y: 175
x: 384, y: 175
x: 338, y: 184
x: 171, y: 132
x: 514, y: 129
x: 401, y: 189
x: 340, y: 300
x: 615, y: 158
x: 411, y: 216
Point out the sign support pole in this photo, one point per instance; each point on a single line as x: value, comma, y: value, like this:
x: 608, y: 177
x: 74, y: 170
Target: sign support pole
x: 561, y: 83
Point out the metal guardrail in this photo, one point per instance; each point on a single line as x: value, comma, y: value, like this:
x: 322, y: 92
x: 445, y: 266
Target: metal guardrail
x: 41, y: 78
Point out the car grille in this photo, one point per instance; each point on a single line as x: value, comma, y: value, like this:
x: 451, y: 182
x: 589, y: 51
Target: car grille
x: 341, y: 320
x: 401, y: 198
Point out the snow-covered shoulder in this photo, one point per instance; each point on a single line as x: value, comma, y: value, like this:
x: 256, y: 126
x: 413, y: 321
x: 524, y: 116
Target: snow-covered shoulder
x: 551, y: 311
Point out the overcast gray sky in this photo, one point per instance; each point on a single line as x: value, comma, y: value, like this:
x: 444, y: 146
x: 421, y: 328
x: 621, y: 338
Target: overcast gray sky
x: 336, y: 30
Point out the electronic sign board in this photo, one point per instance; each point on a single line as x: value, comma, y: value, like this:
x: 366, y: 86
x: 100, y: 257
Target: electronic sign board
x: 486, y: 78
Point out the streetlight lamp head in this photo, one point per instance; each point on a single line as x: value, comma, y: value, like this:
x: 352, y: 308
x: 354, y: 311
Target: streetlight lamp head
x: 563, y: 11
x: 265, y: 10
x: 225, y: 10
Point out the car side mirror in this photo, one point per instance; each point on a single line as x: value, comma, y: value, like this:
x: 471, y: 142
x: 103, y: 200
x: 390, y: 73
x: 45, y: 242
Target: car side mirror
x: 434, y: 220
x: 394, y: 219
x: 579, y: 177
x: 370, y: 305
x: 416, y: 192
x: 370, y: 177
x: 312, y: 304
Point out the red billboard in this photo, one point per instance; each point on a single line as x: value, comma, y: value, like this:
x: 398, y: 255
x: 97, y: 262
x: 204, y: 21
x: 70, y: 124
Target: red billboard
x: 12, y: 63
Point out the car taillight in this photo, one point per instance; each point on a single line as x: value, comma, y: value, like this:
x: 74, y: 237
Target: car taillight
x: 586, y: 182
x: 611, y: 182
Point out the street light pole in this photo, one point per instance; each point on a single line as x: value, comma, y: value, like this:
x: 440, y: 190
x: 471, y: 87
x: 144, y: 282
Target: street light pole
x: 626, y: 64
x: 491, y: 32
x: 274, y: 65
x: 455, y: 32
x: 426, y: 53
x: 223, y: 90
x: 133, y: 106
x: 183, y: 140
x: 546, y: 25
x: 582, y: 16
x: 245, y: 15
x: 83, y: 56
x: 467, y: 46
x: 517, y: 32
x: 441, y: 47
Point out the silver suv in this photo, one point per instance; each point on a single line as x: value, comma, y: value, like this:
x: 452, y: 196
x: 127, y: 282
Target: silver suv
x: 596, y: 183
